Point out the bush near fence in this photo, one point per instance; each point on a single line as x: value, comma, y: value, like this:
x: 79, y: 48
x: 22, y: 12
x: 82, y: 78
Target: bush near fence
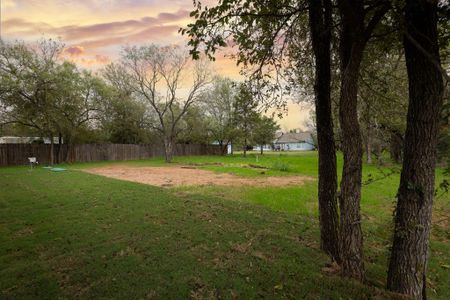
x: 17, y: 154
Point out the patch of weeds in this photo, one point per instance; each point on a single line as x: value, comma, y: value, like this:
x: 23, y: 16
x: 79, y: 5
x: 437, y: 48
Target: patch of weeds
x: 281, y: 166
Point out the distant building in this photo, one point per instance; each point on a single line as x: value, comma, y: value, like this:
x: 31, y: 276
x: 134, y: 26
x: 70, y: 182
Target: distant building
x: 295, y: 141
x: 26, y: 140
x: 290, y: 141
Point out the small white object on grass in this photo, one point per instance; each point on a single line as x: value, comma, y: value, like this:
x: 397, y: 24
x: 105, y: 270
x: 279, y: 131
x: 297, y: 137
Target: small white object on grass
x: 33, y: 161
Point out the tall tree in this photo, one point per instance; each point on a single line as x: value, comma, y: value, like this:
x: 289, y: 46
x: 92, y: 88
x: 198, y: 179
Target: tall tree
x: 123, y: 117
x: 40, y: 92
x: 156, y: 74
x: 409, y: 255
x: 195, y: 127
x: 77, y: 100
x: 384, y: 100
x: 217, y: 102
x: 264, y: 131
x: 245, y: 114
x: 28, y: 84
x: 320, y: 24
x: 353, y: 38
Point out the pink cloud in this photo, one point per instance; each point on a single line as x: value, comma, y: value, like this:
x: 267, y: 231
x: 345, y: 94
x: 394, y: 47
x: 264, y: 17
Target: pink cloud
x: 145, y: 29
x: 74, y: 51
x: 75, y: 32
x: 147, y: 35
x: 171, y: 17
x: 88, y: 44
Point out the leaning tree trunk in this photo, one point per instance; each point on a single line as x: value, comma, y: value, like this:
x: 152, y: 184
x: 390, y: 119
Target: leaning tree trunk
x: 320, y: 27
x: 168, y: 149
x: 350, y: 197
x: 351, y: 50
x: 409, y: 254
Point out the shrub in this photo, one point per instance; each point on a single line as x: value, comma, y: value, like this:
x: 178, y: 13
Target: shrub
x: 281, y: 166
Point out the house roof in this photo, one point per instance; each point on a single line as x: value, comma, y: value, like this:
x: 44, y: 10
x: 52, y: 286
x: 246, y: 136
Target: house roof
x: 291, y: 137
x: 278, y: 134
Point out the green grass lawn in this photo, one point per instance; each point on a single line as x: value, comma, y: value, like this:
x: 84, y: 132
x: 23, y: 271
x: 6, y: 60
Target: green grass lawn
x: 77, y: 235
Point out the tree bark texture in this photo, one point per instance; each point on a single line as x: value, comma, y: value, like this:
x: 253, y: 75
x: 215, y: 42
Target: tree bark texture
x: 369, y: 144
x: 395, y: 147
x: 223, y: 147
x: 409, y: 254
x: 52, y: 151
x: 352, y: 45
x: 320, y: 27
x: 168, y: 149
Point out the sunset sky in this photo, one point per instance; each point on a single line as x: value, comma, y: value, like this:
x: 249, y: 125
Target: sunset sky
x: 94, y: 31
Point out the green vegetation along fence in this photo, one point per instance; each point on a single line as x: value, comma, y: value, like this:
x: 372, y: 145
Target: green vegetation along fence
x: 17, y: 154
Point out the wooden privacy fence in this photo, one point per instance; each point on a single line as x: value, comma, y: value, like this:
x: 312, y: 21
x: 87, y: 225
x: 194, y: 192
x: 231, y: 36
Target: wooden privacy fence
x: 17, y: 154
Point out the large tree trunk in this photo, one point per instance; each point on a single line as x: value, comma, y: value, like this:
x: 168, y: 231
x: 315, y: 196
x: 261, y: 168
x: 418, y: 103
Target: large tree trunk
x: 350, y: 197
x: 245, y: 147
x: 69, y: 157
x: 351, y: 51
x: 320, y: 27
x: 168, y: 149
x: 379, y: 154
x: 223, y: 147
x: 408, y: 262
x: 58, y: 150
x: 52, y: 151
x: 262, y: 149
x: 396, y: 147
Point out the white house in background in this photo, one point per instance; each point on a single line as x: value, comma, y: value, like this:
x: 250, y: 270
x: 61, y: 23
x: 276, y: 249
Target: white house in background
x: 26, y: 140
x: 268, y: 147
x: 265, y: 148
x: 295, y: 141
x: 291, y: 141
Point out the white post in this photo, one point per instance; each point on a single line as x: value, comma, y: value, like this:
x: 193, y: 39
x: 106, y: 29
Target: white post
x: 32, y: 161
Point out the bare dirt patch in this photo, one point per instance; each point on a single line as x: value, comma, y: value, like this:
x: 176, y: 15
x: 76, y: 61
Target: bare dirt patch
x: 189, y: 176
